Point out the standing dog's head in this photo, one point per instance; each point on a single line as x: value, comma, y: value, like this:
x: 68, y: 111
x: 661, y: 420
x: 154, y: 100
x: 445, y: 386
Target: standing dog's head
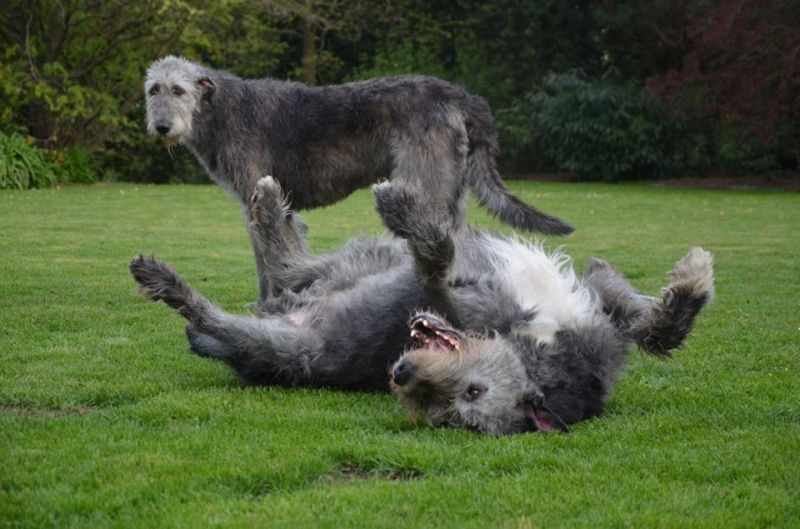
x: 175, y: 90
x: 466, y: 381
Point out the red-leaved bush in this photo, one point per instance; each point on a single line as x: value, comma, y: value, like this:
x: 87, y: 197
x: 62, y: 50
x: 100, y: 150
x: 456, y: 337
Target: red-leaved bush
x: 741, y: 63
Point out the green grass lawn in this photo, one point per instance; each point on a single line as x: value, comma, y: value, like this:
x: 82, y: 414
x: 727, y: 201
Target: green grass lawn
x: 107, y: 420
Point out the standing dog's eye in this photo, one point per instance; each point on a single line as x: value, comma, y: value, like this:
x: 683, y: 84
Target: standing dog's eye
x: 153, y: 90
x: 474, y: 391
x: 178, y: 91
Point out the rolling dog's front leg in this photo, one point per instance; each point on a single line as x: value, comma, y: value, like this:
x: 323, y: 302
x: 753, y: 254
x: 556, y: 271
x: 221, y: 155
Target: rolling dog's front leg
x: 278, y: 236
x: 429, y: 240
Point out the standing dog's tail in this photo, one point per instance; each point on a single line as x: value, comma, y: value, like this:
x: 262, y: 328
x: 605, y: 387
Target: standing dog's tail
x: 484, y: 179
x: 493, y: 194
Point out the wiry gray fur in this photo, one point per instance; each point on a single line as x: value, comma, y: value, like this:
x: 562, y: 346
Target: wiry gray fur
x: 322, y: 143
x: 342, y: 320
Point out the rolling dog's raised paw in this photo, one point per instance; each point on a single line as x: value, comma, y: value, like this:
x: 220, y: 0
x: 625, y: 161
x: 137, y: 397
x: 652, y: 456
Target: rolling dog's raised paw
x: 266, y: 186
x: 146, y: 272
x: 157, y: 281
x: 395, y: 206
x: 268, y: 205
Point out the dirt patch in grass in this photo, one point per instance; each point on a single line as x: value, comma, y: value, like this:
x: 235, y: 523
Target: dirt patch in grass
x: 27, y: 409
x: 350, y: 469
x: 253, y: 486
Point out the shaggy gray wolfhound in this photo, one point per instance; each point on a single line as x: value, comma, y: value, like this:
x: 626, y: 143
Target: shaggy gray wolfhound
x: 517, y: 341
x: 322, y: 143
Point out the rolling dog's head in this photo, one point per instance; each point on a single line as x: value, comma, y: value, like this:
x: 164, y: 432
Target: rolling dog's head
x: 465, y: 381
x: 503, y: 383
x: 175, y: 90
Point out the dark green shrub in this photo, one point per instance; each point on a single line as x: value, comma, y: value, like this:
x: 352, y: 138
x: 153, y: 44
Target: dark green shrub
x: 595, y: 128
x: 77, y: 165
x: 23, y: 165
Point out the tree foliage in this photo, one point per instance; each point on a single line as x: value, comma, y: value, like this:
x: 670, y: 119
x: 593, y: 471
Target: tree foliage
x: 71, y: 70
x: 739, y: 78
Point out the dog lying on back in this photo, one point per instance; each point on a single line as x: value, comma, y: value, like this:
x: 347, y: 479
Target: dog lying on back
x: 515, y: 340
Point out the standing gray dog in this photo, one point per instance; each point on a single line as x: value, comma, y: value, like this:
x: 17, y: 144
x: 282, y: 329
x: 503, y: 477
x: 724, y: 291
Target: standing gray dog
x: 531, y: 346
x: 322, y: 143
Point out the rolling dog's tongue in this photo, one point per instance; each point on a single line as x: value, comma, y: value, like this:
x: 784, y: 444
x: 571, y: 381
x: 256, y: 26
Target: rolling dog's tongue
x: 433, y: 331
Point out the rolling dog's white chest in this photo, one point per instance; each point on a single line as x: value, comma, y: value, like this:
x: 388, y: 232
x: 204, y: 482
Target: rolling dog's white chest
x: 545, y: 284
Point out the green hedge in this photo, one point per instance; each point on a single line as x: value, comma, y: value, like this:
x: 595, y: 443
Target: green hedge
x: 599, y: 129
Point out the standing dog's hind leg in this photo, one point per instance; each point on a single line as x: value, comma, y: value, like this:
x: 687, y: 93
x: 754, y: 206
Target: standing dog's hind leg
x: 431, y: 163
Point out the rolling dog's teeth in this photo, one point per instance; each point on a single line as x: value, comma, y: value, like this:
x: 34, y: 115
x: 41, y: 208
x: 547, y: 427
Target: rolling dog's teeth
x: 447, y: 339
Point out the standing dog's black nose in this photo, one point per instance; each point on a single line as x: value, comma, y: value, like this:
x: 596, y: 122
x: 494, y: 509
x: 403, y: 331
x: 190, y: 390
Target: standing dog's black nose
x: 162, y: 129
x: 403, y: 372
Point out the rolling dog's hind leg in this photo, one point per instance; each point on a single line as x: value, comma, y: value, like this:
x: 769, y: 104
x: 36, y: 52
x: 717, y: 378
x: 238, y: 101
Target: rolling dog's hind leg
x: 620, y: 300
x: 262, y: 350
x: 429, y: 240
x: 205, y: 345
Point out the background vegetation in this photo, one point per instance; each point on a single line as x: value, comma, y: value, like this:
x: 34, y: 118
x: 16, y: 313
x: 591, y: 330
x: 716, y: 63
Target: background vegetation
x: 606, y: 89
x: 107, y: 419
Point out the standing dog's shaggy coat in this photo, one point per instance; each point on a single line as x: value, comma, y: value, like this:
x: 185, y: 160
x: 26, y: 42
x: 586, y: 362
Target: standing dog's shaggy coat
x: 322, y: 143
x: 531, y: 345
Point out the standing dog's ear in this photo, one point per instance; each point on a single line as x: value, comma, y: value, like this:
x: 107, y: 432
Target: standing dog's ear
x: 206, y: 87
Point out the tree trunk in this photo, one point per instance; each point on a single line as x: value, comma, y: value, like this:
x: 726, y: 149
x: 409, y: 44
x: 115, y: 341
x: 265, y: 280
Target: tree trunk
x: 308, y: 61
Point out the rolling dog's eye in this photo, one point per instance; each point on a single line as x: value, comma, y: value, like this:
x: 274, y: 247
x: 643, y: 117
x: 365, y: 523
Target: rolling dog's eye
x: 474, y: 392
x: 153, y: 90
x: 178, y: 91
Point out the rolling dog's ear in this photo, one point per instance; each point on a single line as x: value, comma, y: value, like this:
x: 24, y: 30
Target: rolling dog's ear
x: 543, y: 417
x: 206, y: 87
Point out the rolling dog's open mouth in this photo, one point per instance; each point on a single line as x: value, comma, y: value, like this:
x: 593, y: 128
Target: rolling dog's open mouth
x: 432, y: 331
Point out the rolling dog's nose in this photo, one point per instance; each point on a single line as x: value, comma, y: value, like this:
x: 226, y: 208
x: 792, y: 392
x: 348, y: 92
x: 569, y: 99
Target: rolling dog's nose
x: 403, y: 372
x: 162, y: 129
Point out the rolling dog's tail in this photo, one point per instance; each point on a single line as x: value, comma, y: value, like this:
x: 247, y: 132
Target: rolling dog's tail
x: 485, y: 181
